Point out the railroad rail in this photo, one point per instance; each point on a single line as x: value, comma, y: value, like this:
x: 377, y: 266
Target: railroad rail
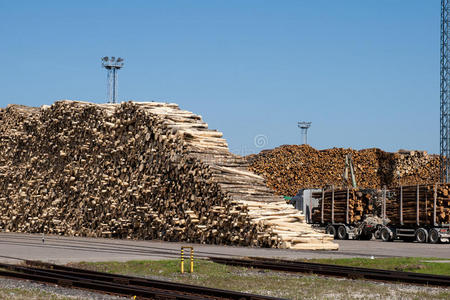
x: 117, y: 284
x: 336, y: 270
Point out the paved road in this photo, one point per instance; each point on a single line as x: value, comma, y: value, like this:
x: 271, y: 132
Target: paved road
x: 72, y: 249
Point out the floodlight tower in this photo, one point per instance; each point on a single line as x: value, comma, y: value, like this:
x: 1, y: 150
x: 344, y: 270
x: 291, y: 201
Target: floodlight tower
x: 112, y: 65
x: 304, y: 129
x: 445, y: 94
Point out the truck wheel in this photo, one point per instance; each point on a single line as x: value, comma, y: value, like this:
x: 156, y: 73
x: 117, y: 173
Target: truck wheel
x: 377, y: 234
x: 434, y: 236
x: 331, y: 230
x: 421, y: 235
x: 342, y: 233
x: 385, y: 235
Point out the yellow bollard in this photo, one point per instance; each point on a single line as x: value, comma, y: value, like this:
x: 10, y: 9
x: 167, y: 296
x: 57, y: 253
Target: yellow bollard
x: 191, y: 269
x: 192, y: 260
x: 182, y: 260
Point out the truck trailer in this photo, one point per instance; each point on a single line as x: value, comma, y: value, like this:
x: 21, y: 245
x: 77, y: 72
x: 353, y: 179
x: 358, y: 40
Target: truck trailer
x: 417, y: 214
x: 408, y: 213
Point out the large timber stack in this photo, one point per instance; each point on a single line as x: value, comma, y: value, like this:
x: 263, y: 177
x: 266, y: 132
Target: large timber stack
x: 136, y: 170
x: 290, y: 168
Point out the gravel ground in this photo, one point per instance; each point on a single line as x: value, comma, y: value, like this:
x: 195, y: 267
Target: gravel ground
x: 370, y: 290
x: 54, y: 290
x: 373, y: 289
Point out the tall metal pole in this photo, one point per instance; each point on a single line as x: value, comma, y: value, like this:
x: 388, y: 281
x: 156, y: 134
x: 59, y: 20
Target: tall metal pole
x: 112, y: 66
x: 109, y: 91
x: 305, y: 136
x: 114, y: 95
x: 444, y: 95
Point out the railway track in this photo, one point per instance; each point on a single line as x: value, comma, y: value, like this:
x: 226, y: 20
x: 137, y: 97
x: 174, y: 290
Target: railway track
x: 117, y: 284
x: 336, y: 270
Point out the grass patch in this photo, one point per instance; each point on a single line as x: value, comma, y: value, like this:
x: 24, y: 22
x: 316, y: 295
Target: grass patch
x: 405, y: 264
x: 265, y: 282
x: 161, y: 268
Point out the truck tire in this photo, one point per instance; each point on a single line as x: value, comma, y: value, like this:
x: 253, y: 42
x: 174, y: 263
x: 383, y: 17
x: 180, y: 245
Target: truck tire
x: 342, y: 233
x: 421, y: 235
x: 378, y: 234
x: 385, y: 235
x: 331, y: 230
x: 434, y: 236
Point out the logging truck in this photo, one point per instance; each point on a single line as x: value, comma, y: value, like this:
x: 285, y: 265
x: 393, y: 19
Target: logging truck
x: 363, y: 230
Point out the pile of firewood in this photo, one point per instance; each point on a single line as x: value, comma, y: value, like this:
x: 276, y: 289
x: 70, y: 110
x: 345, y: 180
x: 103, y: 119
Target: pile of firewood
x: 139, y: 171
x: 417, y: 203
x: 348, y: 206
x: 290, y: 168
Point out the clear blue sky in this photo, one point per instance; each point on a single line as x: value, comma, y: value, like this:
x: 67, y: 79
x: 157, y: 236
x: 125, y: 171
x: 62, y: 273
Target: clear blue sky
x: 365, y: 73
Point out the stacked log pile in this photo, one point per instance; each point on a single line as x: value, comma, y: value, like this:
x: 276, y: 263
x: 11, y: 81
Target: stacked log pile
x: 420, y: 198
x: 415, y: 167
x: 140, y: 171
x: 361, y: 204
x: 290, y: 168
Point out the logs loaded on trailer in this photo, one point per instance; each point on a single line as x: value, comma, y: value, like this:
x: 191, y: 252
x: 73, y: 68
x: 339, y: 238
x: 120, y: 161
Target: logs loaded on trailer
x: 348, y: 206
x: 415, y: 205
x: 140, y: 171
x: 420, y: 212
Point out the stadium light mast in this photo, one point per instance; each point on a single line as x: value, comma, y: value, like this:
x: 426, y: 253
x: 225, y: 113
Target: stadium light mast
x: 304, y: 126
x: 112, y: 66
